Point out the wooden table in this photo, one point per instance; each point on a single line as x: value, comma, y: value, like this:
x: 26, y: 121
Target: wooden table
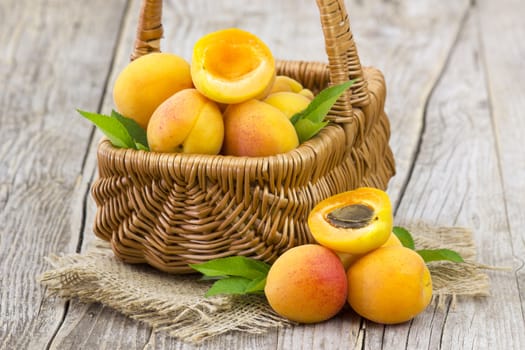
x: 455, y: 72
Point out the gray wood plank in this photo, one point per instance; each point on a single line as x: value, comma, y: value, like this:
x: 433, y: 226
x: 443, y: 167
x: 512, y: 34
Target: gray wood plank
x: 53, y: 59
x: 456, y: 181
x: 406, y: 33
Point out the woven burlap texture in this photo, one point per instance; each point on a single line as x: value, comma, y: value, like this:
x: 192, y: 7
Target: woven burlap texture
x: 176, y: 304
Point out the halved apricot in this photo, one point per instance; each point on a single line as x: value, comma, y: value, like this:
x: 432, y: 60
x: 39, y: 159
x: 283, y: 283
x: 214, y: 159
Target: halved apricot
x: 354, y: 222
x: 232, y: 66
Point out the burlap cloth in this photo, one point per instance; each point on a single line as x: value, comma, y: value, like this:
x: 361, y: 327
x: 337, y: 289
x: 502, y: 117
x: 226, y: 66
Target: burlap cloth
x: 176, y: 304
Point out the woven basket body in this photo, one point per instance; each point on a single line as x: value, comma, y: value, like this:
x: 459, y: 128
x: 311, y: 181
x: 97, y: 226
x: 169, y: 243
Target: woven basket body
x: 169, y: 210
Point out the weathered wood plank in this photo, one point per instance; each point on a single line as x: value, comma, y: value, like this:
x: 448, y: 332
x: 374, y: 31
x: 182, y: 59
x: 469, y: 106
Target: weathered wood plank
x: 185, y: 22
x: 456, y: 181
x: 503, y: 42
x: 54, y: 57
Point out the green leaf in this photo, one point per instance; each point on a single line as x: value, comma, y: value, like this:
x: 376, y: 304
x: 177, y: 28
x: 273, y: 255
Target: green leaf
x: 306, y: 129
x: 404, y: 236
x: 256, y: 285
x: 439, y: 254
x: 233, y: 266
x: 137, y: 133
x: 112, y: 128
x: 323, y: 102
x: 231, y: 285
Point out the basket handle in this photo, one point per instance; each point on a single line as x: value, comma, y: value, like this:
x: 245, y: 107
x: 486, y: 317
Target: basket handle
x: 343, y: 59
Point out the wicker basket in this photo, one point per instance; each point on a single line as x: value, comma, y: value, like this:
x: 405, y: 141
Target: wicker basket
x: 168, y: 210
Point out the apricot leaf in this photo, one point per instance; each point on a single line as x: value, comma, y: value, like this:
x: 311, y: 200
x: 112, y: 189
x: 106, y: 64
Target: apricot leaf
x: 235, y: 275
x: 439, y: 254
x: 121, y: 131
x: 134, y: 129
x: 112, y: 128
x: 404, y: 236
x: 306, y: 129
x: 311, y: 120
x: 240, y: 266
x: 231, y: 285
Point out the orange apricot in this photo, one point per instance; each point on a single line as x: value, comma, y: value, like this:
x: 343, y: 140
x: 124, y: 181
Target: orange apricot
x: 307, y: 284
x: 389, y: 285
x: 146, y: 82
x: 187, y: 122
x: 256, y: 129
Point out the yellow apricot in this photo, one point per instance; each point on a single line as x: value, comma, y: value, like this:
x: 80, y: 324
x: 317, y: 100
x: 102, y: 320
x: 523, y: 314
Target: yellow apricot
x: 289, y: 103
x: 187, y: 122
x: 389, y: 285
x: 307, y: 284
x: 285, y: 83
x: 232, y: 66
x: 146, y: 82
x: 307, y: 93
x: 254, y: 128
x: 348, y: 259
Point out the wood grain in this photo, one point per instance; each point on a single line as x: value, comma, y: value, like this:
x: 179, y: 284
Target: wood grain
x: 456, y: 120
x: 52, y: 60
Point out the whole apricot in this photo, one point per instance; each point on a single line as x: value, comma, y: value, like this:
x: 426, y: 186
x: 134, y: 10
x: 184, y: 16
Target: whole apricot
x: 348, y: 259
x: 256, y: 129
x: 389, y: 285
x: 285, y: 83
x: 288, y: 102
x: 186, y: 122
x: 307, y: 284
x: 147, y: 81
x: 232, y: 66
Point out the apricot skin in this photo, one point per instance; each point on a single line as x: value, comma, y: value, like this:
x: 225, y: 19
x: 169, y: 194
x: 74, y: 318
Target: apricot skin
x: 187, y: 122
x: 307, y: 284
x: 256, y: 129
x: 389, y: 285
x: 288, y: 102
x: 348, y: 259
x: 146, y: 82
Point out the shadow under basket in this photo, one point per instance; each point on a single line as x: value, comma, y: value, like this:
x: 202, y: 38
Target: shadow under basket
x: 169, y: 210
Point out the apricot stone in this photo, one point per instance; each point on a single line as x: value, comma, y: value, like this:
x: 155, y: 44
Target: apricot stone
x: 257, y: 129
x: 307, y: 284
x: 187, y: 122
x: 146, y: 82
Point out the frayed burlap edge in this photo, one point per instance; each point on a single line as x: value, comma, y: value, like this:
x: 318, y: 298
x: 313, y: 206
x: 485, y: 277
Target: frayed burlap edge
x: 176, y: 304
x: 173, y: 304
x: 450, y: 279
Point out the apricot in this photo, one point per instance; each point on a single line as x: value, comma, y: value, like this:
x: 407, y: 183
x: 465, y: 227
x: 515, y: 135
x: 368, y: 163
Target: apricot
x: 146, y: 82
x: 307, y: 284
x: 256, y: 129
x: 354, y: 222
x: 288, y: 102
x: 186, y: 122
x: 389, y: 285
x: 348, y: 259
x: 285, y: 83
x: 232, y: 66
x: 307, y: 93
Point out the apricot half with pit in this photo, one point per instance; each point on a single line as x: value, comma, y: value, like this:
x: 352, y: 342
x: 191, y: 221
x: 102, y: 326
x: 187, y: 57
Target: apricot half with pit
x: 354, y: 222
x: 232, y: 66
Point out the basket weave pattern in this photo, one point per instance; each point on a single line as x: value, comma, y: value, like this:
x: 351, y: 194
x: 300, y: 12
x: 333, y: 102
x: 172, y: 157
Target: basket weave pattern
x: 169, y: 210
